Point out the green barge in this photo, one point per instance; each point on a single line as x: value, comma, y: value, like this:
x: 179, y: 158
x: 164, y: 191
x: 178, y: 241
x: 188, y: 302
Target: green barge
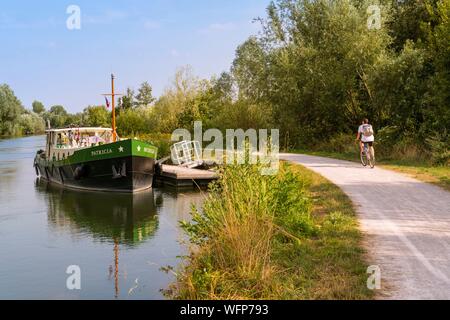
x: 89, y: 159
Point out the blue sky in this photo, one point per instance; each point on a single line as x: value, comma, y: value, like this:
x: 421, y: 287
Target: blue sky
x: 137, y: 40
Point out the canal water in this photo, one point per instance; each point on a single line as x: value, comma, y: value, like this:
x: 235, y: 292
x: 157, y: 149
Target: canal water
x: 119, y: 242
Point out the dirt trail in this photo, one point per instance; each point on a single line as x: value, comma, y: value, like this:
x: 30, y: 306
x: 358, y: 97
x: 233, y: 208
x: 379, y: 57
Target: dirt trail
x: 406, y: 224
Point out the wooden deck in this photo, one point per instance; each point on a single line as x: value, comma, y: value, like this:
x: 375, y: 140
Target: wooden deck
x: 184, y: 177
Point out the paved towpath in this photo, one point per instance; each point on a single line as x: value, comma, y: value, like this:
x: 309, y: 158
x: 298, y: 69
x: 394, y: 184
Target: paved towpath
x: 406, y: 224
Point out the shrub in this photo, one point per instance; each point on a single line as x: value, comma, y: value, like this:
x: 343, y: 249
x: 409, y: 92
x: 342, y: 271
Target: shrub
x: 159, y: 140
x: 31, y: 123
x: 241, y: 221
x: 341, y: 143
x: 439, y: 145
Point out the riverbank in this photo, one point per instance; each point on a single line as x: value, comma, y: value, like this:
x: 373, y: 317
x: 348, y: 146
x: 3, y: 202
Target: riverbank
x: 290, y: 236
x: 420, y: 170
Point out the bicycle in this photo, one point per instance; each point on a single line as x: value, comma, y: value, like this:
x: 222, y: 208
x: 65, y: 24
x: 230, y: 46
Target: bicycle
x: 368, y: 157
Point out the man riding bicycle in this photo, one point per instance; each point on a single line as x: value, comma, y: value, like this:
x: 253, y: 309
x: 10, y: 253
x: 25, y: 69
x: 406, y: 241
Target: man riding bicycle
x: 366, y: 136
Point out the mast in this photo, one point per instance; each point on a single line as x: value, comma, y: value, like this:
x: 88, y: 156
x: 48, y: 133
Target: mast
x: 113, y: 107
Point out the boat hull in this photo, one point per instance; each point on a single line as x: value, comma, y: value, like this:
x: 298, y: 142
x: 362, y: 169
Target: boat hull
x: 126, y: 174
x: 123, y: 166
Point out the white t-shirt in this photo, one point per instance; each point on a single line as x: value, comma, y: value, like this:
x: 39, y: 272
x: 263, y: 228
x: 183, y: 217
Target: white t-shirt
x: 363, y: 137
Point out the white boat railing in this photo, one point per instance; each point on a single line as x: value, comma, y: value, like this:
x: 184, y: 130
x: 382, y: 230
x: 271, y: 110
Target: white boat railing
x: 186, y: 153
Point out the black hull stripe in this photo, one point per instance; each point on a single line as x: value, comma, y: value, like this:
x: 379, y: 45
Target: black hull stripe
x: 128, y: 174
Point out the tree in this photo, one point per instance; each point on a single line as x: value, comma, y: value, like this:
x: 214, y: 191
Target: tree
x: 133, y: 121
x: 144, y: 97
x: 249, y: 69
x: 127, y: 101
x: 310, y: 67
x: 10, y: 110
x: 31, y: 123
x: 408, y: 20
x: 184, y: 88
x: 76, y: 119
x: 38, y: 107
x: 96, y: 116
x: 58, y: 116
x: 437, y: 100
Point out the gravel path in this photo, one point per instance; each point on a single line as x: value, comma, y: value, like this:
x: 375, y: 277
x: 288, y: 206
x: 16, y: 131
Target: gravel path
x: 406, y: 224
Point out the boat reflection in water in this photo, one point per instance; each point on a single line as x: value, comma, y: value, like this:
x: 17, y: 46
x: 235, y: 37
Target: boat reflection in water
x: 124, y: 219
x: 113, y: 217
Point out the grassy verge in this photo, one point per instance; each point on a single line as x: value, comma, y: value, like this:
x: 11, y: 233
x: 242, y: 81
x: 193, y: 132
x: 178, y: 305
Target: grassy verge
x: 290, y: 236
x: 438, y: 175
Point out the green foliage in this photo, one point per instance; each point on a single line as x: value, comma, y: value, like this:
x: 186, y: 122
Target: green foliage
x: 159, y: 140
x: 262, y: 237
x: 408, y: 20
x: 96, y: 116
x: 176, y: 99
x: 76, y: 119
x: 242, y: 192
x: 144, y: 98
x: 38, y: 107
x: 127, y: 101
x: 134, y: 121
x: 437, y: 100
x: 314, y: 62
x: 243, y: 217
x: 10, y: 110
x: 58, y: 116
x: 319, y: 70
x: 313, y: 72
x: 31, y: 123
x: 439, y: 148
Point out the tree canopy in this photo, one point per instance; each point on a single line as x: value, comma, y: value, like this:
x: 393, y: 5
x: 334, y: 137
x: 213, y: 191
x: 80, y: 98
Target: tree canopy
x: 38, y: 107
x: 314, y: 71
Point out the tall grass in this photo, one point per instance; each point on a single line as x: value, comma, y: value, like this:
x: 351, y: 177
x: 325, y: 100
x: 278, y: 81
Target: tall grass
x: 235, y: 231
x: 252, y: 228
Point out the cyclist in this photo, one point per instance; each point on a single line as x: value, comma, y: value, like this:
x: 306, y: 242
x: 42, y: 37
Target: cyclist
x: 366, y: 135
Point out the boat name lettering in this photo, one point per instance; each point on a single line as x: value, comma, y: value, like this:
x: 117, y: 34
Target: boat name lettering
x: 101, y: 152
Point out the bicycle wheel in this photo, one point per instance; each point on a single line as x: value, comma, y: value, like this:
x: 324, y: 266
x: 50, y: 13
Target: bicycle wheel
x: 371, y: 159
x: 363, y: 159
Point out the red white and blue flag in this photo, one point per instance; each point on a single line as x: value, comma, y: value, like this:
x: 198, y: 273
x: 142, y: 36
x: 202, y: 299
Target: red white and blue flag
x: 107, y: 102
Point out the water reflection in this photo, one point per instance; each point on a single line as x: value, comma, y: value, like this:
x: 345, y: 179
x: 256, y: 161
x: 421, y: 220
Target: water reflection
x: 119, y: 241
x: 128, y: 219
x: 124, y: 219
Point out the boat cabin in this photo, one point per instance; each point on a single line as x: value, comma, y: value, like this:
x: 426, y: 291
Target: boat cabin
x: 62, y: 143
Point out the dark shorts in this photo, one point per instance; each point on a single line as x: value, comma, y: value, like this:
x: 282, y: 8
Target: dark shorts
x: 370, y: 144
